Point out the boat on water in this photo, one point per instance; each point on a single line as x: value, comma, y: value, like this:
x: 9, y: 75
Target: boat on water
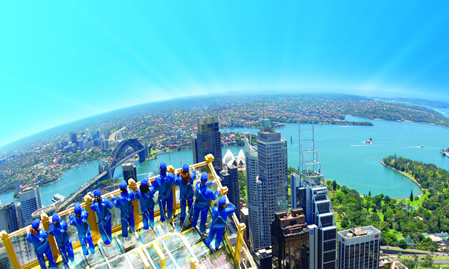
x: 445, y: 152
x: 369, y: 141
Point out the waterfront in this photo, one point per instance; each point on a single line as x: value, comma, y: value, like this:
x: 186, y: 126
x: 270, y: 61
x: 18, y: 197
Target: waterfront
x: 343, y: 154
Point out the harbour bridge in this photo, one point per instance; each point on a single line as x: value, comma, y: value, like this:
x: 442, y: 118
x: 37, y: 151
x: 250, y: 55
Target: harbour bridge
x: 122, y: 152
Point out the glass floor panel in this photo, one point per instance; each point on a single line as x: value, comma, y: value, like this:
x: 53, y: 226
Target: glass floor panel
x: 128, y: 243
x: 146, y: 236
x: 182, y: 256
x: 96, y: 257
x: 78, y: 263
x: 113, y: 249
x: 192, y: 236
x: 135, y: 259
x: 219, y: 259
x: 152, y: 253
x: 162, y: 228
x: 169, y: 263
x: 173, y: 242
x: 102, y: 266
x: 120, y: 262
x: 200, y: 250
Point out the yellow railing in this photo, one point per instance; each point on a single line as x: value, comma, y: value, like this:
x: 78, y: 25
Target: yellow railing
x: 14, y: 242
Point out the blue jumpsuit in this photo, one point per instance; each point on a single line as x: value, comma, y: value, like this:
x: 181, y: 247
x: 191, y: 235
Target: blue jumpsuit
x: 147, y: 207
x: 164, y: 185
x: 84, y: 233
x: 41, y: 247
x: 63, y: 240
x: 104, y: 219
x: 203, y: 195
x: 186, y: 194
x: 124, y: 202
x: 219, y: 217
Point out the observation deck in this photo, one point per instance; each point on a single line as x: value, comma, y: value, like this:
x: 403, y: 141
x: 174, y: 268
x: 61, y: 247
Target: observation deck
x: 166, y: 245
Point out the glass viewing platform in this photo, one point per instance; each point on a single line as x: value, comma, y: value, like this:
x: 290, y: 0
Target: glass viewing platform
x: 166, y: 245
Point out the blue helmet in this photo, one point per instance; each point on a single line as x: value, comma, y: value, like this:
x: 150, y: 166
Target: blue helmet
x: 204, y: 176
x: 96, y: 192
x: 185, y: 168
x: 35, y: 224
x: 222, y: 200
x: 77, y: 208
x: 55, y: 217
x: 144, y: 182
x: 163, y: 166
x: 123, y: 185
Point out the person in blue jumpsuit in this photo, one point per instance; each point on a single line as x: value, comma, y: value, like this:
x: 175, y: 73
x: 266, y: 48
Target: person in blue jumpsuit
x: 124, y: 202
x: 163, y: 183
x: 101, y: 207
x: 38, y: 237
x: 58, y: 228
x: 82, y: 225
x: 145, y: 194
x: 202, y: 197
x: 185, y: 182
x: 220, y: 214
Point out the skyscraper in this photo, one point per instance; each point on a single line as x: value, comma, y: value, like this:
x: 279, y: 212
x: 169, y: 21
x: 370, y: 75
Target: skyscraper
x: 129, y: 171
x: 359, y: 248
x: 230, y: 179
x: 8, y: 218
x: 208, y: 141
x: 312, y: 195
x: 268, y: 186
x: 30, y: 200
x: 290, y: 238
x: 73, y: 138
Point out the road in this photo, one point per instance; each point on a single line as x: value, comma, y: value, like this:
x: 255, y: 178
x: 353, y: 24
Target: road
x: 114, y: 134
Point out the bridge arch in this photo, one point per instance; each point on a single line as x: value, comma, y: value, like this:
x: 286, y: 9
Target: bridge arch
x: 121, y: 151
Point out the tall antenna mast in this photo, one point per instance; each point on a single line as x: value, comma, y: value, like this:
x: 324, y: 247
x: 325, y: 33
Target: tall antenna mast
x: 309, y: 161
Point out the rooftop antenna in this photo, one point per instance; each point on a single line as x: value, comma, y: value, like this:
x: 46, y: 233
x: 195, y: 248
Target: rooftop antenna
x: 309, y: 161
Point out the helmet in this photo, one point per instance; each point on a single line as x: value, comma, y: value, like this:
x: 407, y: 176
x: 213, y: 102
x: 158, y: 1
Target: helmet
x: 35, y: 223
x: 185, y: 168
x: 222, y: 200
x: 55, y: 217
x: 204, y: 176
x: 144, y: 182
x: 123, y: 185
x: 163, y: 166
x: 96, y: 192
x: 77, y: 208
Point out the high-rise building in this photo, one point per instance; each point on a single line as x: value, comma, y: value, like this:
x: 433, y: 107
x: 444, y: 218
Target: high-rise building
x: 19, y: 215
x: 30, y: 200
x: 73, y: 138
x: 359, y: 248
x: 18, y: 185
x: 8, y: 218
x: 208, y: 141
x: 267, y: 182
x: 129, y: 171
x: 312, y: 195
x: 230, y: 179
x: 290, y: 239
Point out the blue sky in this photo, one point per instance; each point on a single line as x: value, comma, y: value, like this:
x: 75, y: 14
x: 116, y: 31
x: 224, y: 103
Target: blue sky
x: 65, y: 60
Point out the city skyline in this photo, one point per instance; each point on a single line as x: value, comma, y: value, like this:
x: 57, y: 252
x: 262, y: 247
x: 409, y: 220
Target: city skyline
x: 65, y: 63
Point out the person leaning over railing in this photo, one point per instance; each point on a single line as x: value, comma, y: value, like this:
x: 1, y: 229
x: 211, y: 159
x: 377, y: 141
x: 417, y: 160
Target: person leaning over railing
x: 58, y: 228
x: 203, y: 196
x: 163, y: 183
x: 185, y: 182
x: 82, y: 225
x: 101, y: 206
x: 145, y: 194
x: 38, y: 237
x: 220, y: 214
x: 124, y: 202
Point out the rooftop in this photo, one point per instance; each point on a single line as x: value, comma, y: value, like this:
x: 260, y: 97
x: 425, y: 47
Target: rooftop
x: 166, y: 245
x: 359, y: 232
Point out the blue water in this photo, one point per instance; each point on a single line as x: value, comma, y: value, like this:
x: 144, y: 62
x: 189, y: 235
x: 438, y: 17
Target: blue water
x: 71, y: 180
x: 344, y: 156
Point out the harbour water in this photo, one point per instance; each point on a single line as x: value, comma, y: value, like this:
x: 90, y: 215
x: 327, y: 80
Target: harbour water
x: 344, y: 156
